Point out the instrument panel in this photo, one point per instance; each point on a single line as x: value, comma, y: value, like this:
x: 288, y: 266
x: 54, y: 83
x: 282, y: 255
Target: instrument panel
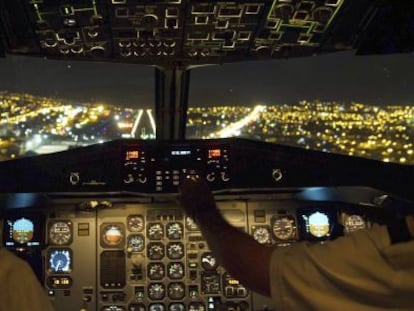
x: 133, y: 256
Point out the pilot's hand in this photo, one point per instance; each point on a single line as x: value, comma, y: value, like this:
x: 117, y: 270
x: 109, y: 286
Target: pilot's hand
x: 198, y: 201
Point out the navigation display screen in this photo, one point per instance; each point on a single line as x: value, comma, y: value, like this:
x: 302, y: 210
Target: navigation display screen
x: 23, y: 230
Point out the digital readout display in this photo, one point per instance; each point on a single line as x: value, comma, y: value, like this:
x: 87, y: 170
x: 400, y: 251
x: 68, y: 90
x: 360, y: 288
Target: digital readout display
x: 59, y: 282
x: 131, y: 155
x: 180, y: 152
x: 214, y: 153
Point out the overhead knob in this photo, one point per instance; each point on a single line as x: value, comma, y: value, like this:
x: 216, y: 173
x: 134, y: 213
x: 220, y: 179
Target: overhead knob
x: 277, y: 174
x: 211, y: 177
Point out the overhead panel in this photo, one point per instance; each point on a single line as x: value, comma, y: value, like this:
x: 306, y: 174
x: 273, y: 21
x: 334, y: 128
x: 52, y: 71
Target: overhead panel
x: 179, y: 31
x: 70, y: 29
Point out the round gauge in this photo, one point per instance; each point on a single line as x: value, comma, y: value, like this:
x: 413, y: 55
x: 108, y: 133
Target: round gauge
x: 136, y: 243
x: 176, y: 307
x: 135, y: 223
x: 175, y: 270
x: 112, y: 234
x: 175, y: 250
x: 208, y: 262
x: 156, y: 307
x: 318, y: 224
x: 156, y: 291
x: 113, y: 308
x: 176, y: 290
x: 284, y: 228
x: 174, y: 231
x: 137, y: 307
x: 261, y: 235
x: 190, y: 224
x: 354, y: 223
x: 60, y: 232
x: 155, y: 231
x: 196, y: 306
x: 155, y: 251
x: 60, y: 260
x: 156, y: 271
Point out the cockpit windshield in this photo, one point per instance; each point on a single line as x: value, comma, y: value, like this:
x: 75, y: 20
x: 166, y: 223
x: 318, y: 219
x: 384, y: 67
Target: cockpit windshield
x: 339, y: 103
x: 48, y: 106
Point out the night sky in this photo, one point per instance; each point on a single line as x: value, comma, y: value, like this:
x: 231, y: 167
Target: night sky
x: 379, y: 80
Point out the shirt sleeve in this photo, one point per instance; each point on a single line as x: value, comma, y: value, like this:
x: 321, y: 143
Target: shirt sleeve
x: 349, y: 273
x: 19, y: 287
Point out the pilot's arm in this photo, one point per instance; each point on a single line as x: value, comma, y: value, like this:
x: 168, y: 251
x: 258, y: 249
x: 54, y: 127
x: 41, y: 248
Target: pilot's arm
x: 238, y: 252
x: 363, y: 271
x: 19, y: 288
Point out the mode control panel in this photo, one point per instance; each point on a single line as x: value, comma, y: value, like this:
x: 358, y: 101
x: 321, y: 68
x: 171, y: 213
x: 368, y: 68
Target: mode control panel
x: 152, y: 169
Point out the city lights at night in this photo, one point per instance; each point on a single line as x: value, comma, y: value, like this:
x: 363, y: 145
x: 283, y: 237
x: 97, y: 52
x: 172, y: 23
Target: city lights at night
x: 31, y: 124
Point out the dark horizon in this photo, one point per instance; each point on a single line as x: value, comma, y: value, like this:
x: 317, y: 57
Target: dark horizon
x: 376, y: 80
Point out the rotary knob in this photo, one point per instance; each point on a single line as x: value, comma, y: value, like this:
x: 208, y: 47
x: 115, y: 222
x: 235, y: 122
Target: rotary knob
x: 277, y: 174
x: 211, y: 177
x: 225, y: 176
x: 129, y: 179
x: 74, y: 178
x: 142, y: 179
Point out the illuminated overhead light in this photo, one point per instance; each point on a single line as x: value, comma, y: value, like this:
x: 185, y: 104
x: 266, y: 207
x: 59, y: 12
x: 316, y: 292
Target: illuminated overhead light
x: 124, y: 43
x: 125, y: 53
x: 97, y: 50
x: 69, y: 22
x: 64, y: 50
x: 192, y: 53
x: 92, y: 33
x: 77, y: 50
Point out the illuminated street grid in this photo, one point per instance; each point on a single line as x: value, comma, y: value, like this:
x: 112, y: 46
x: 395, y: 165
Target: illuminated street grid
x: 39, y: 124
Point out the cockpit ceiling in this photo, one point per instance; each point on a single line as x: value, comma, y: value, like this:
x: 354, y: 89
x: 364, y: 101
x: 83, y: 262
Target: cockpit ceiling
x: 182, y: 31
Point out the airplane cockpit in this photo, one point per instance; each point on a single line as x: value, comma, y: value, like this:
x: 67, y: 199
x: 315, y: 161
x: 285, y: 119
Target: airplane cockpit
x: 100, y: 225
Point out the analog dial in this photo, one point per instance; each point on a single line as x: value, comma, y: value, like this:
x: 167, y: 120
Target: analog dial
x: 261, y: 235
x: 354, y: 223
x: 284, y: 228
x: 155, y: 251
x: 156, y: 291
x: 176, y: 306
x: 175, y: 250
x: 112, y: 234
x: 155, y: 231
x: 175, y: 270
x: 154, y: 307
x: 135, y: 223
x: 176, y: 291
x: 174, y: 231
x: 60, y: 232
x: 208, y: 261
x: 60, y: 260
x: 156, y: 270
x: 136, y: 243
